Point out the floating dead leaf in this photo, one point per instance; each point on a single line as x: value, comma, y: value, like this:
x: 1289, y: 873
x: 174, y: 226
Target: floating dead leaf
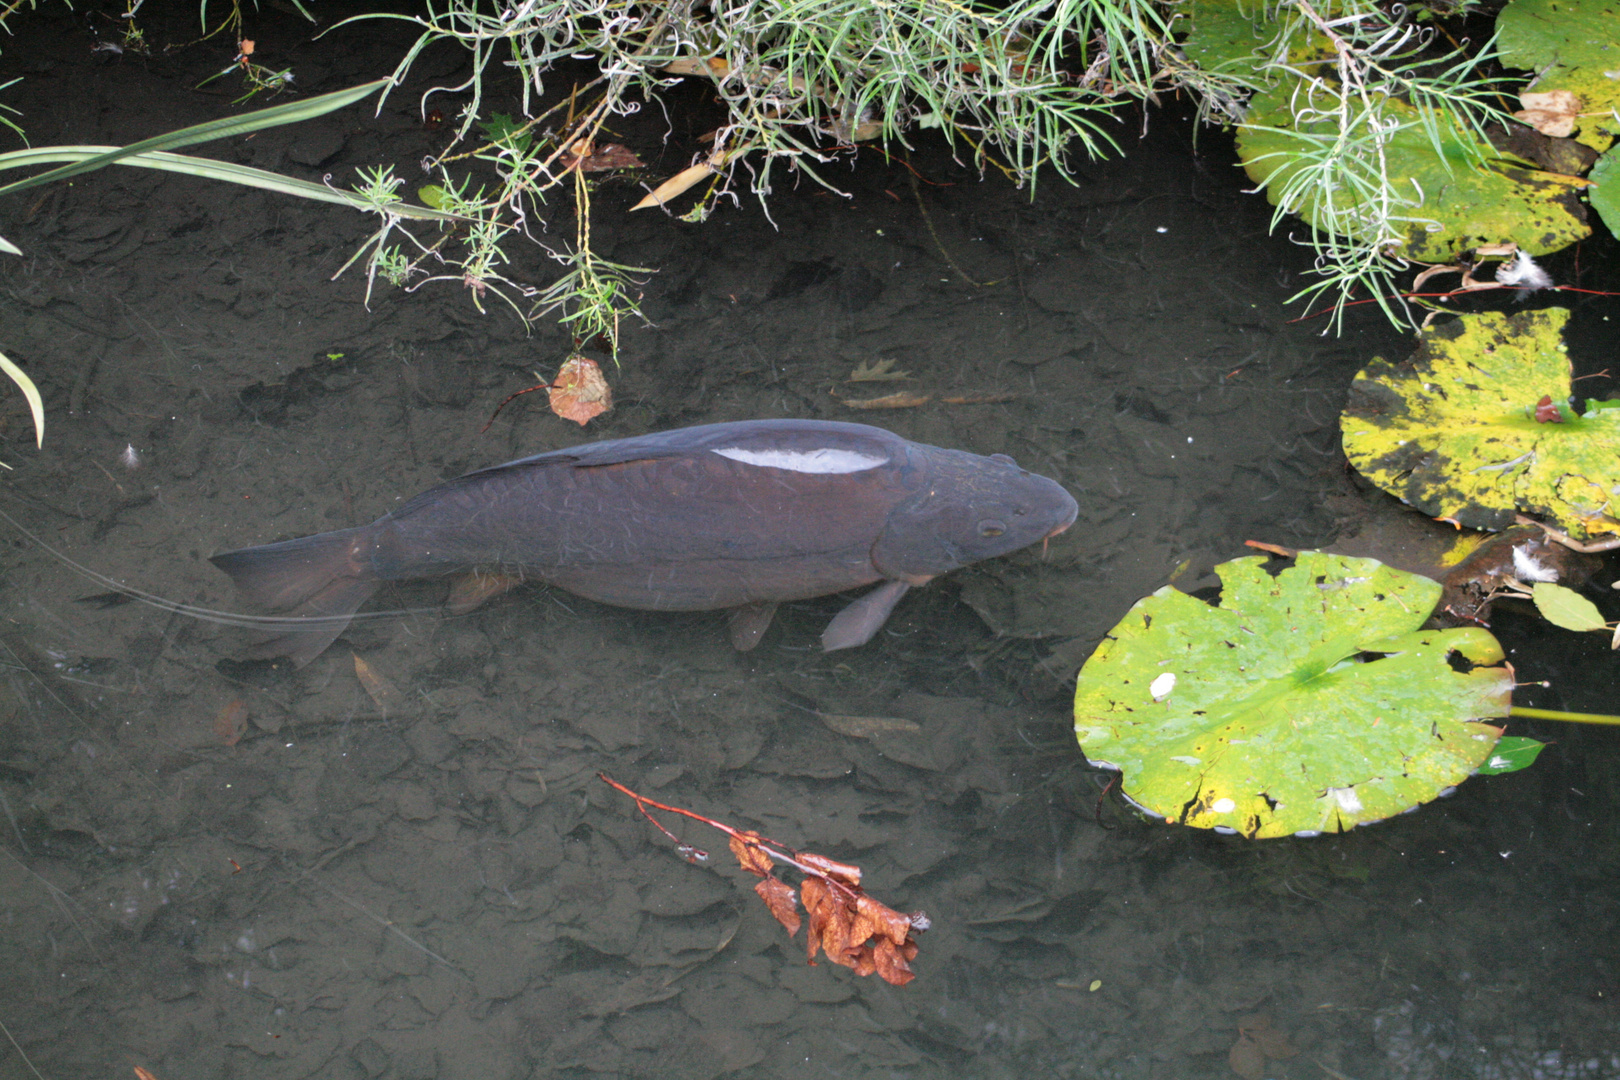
x: 877, y: 371
x: 600, y: 158
x: 783, y: 902
x: 745, y: 846
x: 580, y: 391
x: 675, y: 185
x: 989, y: 398
x: 381, y: 691
x: 903, y: 400
x: 232, y: 722
x: 867, y: 727
x: 1551, y: 112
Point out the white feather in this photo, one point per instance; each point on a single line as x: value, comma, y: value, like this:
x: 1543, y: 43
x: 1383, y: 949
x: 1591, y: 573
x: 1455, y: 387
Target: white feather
x: 1523, y: 272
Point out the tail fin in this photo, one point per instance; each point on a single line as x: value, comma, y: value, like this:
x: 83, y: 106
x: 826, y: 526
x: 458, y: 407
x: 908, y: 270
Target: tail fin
x: 318, y: 579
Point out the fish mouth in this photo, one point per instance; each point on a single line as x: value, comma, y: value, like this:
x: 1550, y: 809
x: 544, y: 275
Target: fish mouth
x: 1062, y: 526
x: 1058, y: 529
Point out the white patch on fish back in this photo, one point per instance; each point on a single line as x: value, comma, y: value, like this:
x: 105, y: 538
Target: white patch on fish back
x: 825, y: 459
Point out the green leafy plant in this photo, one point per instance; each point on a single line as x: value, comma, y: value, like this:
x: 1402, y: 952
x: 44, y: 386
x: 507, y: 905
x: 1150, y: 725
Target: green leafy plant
x: 803, y: 82
x: 1350, y: 118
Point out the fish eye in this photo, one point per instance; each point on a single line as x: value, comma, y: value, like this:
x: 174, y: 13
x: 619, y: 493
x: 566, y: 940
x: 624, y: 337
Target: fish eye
x: 990, y: 527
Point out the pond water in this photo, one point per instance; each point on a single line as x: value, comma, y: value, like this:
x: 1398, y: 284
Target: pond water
x: 429, y: 881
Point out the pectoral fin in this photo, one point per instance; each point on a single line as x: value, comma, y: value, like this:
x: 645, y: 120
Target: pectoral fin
x: 748, y: 623
x: 856, y: 624
x: 470, y: 591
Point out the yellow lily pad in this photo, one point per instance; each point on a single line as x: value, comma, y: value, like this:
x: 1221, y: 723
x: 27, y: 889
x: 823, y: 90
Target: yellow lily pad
x: 1477, y: 425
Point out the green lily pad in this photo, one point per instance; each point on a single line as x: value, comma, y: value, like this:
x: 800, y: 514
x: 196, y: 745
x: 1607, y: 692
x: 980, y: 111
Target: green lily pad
x: 1238, y: 35
x: 1575, y: 46
x: 1604, y: 194
x: 1453, y: 430
x: 1456, y: 205
x: 1303, y: 703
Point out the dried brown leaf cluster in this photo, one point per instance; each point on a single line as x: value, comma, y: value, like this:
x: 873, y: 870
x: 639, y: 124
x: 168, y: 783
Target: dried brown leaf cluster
x: 849, y: 926
x: 852, y: 928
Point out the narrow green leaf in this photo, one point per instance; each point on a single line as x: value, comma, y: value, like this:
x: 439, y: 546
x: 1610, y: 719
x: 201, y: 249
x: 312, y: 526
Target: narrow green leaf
x: 275, y: 116
x: 29, y: 391
x: 209, y: 169
x: 1511, y: 753
x: 1566, y: 608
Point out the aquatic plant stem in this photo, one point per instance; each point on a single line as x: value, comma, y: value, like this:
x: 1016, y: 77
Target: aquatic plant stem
x: 1568, y: 717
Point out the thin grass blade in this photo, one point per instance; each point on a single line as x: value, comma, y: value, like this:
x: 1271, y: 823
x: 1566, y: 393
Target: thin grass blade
x: 209, y: 169
x: 275, y: 116
x: 29, y: 391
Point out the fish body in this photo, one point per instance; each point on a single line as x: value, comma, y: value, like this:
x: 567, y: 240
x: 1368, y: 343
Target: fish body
x: 740, y: 515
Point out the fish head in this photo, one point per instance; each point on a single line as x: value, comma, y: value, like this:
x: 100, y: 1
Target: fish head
x: 969, y: 508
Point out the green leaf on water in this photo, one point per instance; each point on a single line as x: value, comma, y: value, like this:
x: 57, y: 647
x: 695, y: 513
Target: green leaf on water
x: 1512, y: 753
x: 431, y: 195
x: 1567, y: 608
x: 1454, y: 430
x: 1302, y: 703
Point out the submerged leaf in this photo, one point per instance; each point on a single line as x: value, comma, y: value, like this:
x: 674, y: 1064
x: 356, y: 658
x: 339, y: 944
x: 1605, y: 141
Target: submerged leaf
x: 1306, y: 702
x: 580, y: 391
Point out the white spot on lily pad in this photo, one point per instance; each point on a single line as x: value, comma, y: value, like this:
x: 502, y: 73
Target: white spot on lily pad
x: 1224, y: 806
x: 1161, y: 687
x: 1347, y: 799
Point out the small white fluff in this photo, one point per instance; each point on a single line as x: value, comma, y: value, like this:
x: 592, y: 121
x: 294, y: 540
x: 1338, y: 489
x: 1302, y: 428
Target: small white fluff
x: 130, y: 459
x: 1526, y: 568
x: 1523, y: 273
x: 823, y: 460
